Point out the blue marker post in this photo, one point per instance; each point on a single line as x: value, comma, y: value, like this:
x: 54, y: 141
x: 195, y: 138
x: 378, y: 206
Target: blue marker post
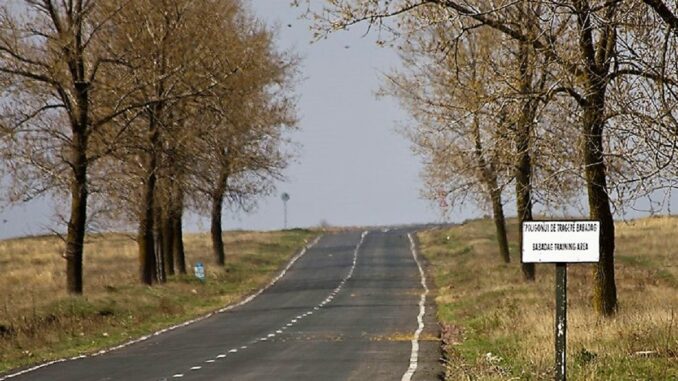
x: 199, y: 271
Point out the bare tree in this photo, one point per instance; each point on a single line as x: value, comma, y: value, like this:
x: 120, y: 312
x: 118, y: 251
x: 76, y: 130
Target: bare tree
x: 174, y: 67
x: 460, y: 125
x: 591, y: 51
x: 50, y: 53
x: 244, y: 145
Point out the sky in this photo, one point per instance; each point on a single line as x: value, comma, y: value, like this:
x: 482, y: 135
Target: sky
x: 353, y: 168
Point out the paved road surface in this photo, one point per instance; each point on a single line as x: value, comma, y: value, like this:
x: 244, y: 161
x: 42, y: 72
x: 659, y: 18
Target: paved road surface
x: 329, y: 318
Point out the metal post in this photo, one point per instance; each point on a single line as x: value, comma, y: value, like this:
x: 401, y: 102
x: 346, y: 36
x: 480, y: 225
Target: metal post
x: 285, y: 207
x: 561, y: 321
x: 285, y: 197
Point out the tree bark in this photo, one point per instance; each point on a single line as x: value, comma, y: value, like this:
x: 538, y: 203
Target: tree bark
x: 500, y: 223
x: 168, y: 240
x: 523, y: 169
x: 524, y: 197
x: 490, y: 179
x: 605, y: 289
x: 216, y: 228
x: 177, y: 234
x: 161, y: 266
x: 145, y: 239
x: 75, y: 236
x: 597, y: 64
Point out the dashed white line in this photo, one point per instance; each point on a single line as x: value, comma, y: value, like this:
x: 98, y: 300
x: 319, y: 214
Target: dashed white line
x: 414, y: 357
x: 299, y: 317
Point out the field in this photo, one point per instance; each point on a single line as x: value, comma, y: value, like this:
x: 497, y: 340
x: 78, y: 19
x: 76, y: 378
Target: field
x: 497, y: 327
x: 39, y: 321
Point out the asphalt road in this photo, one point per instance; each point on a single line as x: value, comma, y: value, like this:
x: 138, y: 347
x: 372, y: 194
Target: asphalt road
x: 346, y: 310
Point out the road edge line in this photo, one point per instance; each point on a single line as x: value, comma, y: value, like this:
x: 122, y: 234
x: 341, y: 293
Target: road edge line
x: 414, y: 356
x: 174, y: 327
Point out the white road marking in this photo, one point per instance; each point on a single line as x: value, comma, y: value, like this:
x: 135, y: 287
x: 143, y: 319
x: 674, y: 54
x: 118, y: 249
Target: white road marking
x: 178, y: 375
x: 209, y: 361
x: 414, y: 357
x: 196, y: 368
x: 233, y: 351
x: 221, y: 356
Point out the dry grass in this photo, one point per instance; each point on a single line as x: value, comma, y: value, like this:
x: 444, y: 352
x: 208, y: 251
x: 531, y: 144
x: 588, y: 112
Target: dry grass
x: 501, y: 328
x: 39, y: 321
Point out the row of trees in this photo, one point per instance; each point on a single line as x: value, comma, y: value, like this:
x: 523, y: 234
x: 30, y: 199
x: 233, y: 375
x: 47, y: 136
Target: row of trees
x: 139, y: 110
x: 554, y: 97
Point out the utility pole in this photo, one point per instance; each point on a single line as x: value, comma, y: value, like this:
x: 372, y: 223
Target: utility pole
x: 285, y: 197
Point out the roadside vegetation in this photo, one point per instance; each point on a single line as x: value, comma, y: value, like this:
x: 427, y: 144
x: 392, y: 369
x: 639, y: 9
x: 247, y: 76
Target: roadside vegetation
x: 133, y: 113
x: 496, y: 327
x: 39, y: 321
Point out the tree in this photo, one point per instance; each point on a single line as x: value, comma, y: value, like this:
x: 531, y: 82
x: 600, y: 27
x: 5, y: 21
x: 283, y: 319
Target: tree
x: 50, y: 53
x: 583, y: 41
x: 174, y: 67
x: 243, y: 148
x: 460, y: 125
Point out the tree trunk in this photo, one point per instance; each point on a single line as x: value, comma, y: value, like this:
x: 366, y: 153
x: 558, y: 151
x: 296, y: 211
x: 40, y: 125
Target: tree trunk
x: 500, y: 223
x: 490, y: 179
x: 216, y: 230
x: 605, y: 289
x: 168, y: 240
x: 523, y: 171
x: 158, y: 236
x: 75, y: 237
x: 177, y: 234
x: 597, y: 65
x: 145, y: 239
x: 524, y: 189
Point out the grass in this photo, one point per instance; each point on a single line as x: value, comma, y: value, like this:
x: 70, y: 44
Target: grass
x: 40, y: 322
x: 497, y: 327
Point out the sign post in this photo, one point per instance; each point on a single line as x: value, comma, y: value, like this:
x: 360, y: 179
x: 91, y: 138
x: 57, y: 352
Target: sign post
x: 561, y: 321
x: 285, y: 197
x: 560, y: 242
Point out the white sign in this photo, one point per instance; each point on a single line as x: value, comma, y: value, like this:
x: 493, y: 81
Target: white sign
x: 561, y: 241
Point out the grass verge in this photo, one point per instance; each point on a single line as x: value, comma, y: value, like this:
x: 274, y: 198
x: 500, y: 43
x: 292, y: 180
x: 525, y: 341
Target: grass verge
x: 497, y: 327
x: 39, y: 322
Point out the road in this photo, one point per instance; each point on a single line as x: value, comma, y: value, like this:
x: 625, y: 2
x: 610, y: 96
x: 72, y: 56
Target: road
x: 345, y: 310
